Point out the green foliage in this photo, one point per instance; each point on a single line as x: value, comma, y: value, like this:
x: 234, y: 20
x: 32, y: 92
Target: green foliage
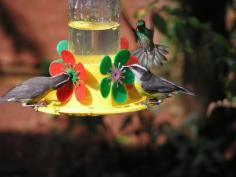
x: 202, y: 45
x: 210, y: 67
x: 160, y: 23
x: 43, y: 67
x: 172, y: 11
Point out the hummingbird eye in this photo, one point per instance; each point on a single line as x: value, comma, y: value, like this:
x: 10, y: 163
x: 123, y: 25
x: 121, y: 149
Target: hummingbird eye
x: 140, y: 24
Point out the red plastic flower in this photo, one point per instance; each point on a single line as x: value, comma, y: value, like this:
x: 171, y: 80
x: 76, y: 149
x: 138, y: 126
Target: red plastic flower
x: 78, y: 76
x: 124, y: 44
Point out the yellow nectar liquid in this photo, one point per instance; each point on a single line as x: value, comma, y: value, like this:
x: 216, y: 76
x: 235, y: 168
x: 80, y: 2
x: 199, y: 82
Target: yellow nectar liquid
x: 88, y: 38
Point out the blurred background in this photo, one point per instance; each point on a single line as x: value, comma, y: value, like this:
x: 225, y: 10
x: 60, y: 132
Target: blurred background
x: 185, y: 136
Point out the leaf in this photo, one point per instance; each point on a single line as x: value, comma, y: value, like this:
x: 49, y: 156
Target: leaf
x: 123, y: 139
x: 43, y: 66
x: 160, y: 23
x: 221, y: 42
x: 141, y: 13
x: 194, y: 22
x: 182, y: 35
x: 171, y: 11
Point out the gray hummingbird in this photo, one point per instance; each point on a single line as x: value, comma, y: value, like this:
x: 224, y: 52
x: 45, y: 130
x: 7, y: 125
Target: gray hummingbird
x: 149, y: 54
x: 30, y: 92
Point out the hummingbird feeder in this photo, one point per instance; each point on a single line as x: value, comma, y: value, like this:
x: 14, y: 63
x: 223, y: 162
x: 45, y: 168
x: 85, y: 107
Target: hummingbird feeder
x: 94, y: 56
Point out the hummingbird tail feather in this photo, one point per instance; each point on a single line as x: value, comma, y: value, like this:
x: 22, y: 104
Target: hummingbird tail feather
x: 150, y: 58
x: 185, y: 91
x: 159, y: 58
x: 137, y: 52
x: 159, y: 53
x: 162, y: 49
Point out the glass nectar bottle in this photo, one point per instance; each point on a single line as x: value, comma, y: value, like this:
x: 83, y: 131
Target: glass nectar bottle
x: 93, y: 27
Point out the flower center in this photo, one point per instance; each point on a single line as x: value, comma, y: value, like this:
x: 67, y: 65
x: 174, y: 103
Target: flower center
x: 116, y: 75
x: 73, y: 75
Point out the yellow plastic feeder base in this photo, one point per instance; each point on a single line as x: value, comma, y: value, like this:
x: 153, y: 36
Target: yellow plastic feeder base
x: 94, y: 104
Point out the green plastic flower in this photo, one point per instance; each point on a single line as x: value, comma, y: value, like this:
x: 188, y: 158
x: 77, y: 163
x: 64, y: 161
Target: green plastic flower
x: 117, y: 76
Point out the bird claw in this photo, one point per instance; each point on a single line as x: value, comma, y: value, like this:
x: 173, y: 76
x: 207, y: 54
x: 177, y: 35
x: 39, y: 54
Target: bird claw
x: 36, y: 106
x: 152, y: 102
x: 40, y: 104
x: 27, y: 105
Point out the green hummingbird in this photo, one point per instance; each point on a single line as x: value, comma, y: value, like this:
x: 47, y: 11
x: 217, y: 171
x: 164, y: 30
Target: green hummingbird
x: 149, y: 54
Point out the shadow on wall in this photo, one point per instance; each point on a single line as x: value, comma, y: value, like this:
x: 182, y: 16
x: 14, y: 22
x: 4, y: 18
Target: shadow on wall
x: 22, y: 41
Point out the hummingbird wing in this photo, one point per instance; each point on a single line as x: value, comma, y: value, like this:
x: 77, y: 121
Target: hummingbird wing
x: 138, y: 52
x: 154, y: 57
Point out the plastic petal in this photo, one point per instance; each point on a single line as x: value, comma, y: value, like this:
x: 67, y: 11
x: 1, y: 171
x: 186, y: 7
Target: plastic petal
x: 68, y: 57
x: 128, y: 76
x: 124, y: 43
x: 121, y: 58
x: 62, y: 45
x: 80, y: 91
x: 56, y: 68
x: 129, y: 87
x: 132, y: 60
x: 119, y: 93
x: 105, y: 65
x: 64, y: 93
x: 105, y: 87
x: 82, y: 74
